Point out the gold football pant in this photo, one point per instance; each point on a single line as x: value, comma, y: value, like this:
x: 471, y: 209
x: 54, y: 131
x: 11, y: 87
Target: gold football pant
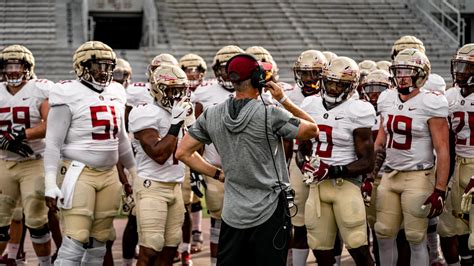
x: 160, y: 213
x: 331, y: 206
x: 23, y: 181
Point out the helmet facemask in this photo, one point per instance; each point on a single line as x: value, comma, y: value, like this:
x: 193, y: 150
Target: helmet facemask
x: 335, y: 91
x: 195, y: 76
x: 98, y: 73
x: 373, y: 91
x: 122, y: 76
x: 407, y: 78
x: 16, y: 72
x: 222, y: 77
x: 308, y: 80
x: 166, y: 95
x: 463, y: 72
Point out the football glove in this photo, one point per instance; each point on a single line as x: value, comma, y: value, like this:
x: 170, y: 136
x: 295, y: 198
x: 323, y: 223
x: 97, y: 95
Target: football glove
x: 52, y: 192
x: 14, y: 142
x: 466, y: 201
x: 436, y: 199
x: 197, y: 181
x: 366, y: 189
x: 315, y: 171
x: 180, y: 111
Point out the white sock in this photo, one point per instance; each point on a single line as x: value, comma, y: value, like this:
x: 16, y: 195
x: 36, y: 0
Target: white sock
x: 44, y: 261
x: 185, y: 247
x: 197, y: 220
x: 213, y: 261
x: 419, y: 254
x: 338, y: 260
x: 388, y: 251
x: 300, y: 256
x: 434, y: 246
x: 127, y: 262
x: 12, y: 250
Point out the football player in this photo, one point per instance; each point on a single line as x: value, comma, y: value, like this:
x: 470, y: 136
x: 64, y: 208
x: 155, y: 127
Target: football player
x: 365, y: 68
x: 433, y: 241
x: 23, y: 114
x: 307, y: 73
x: 203, y: 97
x: 195, y: 68
x: 406, y: 190
x: 454, y: 228
x: 122, y: 72
x: 86, y: 129
x: 343, y: 151
x: 158, y: 127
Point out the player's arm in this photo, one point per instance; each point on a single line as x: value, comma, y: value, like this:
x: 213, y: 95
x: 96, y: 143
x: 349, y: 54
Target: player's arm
x: 452, y: 150
x: 364, y: 149
x: 58, y: 126
x: 440, y: 138
x: 187, y: 153
x: 157, y: 148
x: 379, y: 147
x: 39, y: 131
x: 198, y: 109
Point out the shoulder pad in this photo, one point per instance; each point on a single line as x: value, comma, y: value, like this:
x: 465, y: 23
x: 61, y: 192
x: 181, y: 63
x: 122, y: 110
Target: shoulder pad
x: 144, y: 116
x: 362, y: 113
x: 62, y: 93
x: 435, y: 104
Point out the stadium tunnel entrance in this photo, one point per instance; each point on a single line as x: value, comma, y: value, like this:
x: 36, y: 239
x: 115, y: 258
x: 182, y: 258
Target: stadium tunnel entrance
x: 118, y: 30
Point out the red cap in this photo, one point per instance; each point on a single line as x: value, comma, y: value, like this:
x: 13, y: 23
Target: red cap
x: 240, y: 67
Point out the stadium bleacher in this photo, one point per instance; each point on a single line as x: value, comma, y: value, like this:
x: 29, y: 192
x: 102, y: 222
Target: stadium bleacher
x: 361, y: 29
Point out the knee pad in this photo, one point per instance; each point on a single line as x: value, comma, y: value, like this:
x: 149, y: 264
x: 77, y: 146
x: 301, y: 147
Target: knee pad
x: 215, y: 230
x: 4, y: 233
x: 415, y: 237
x: 70, y: 252
x: 155, y: 241
x: 383, y: 231
x: 356, y: 239
x: 40, y: 235
x: 195, y: 207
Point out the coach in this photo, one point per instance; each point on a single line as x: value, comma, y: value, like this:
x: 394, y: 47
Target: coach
x: 247, y: 134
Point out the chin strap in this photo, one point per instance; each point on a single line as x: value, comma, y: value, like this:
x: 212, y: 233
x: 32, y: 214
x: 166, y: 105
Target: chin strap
x: 92, y: 86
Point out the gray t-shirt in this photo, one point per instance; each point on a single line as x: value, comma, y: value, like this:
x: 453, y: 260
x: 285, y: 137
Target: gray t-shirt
x: 251, y: 185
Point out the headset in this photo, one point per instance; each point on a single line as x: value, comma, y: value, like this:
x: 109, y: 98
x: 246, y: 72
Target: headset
x: 257, y: 79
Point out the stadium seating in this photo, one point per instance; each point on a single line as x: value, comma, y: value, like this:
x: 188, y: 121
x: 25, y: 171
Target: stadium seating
x: 361, y: 29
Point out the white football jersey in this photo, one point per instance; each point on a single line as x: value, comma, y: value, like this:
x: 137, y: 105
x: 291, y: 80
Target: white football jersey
x: 155, y: 117
x: 461, y: 113
x: 211, y: 94
x: 138, y: 93
x: 22, y: 110
x: 335, y: 142
x: 295, y: 94
x: 408, y: 142
x: 96, y: 117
